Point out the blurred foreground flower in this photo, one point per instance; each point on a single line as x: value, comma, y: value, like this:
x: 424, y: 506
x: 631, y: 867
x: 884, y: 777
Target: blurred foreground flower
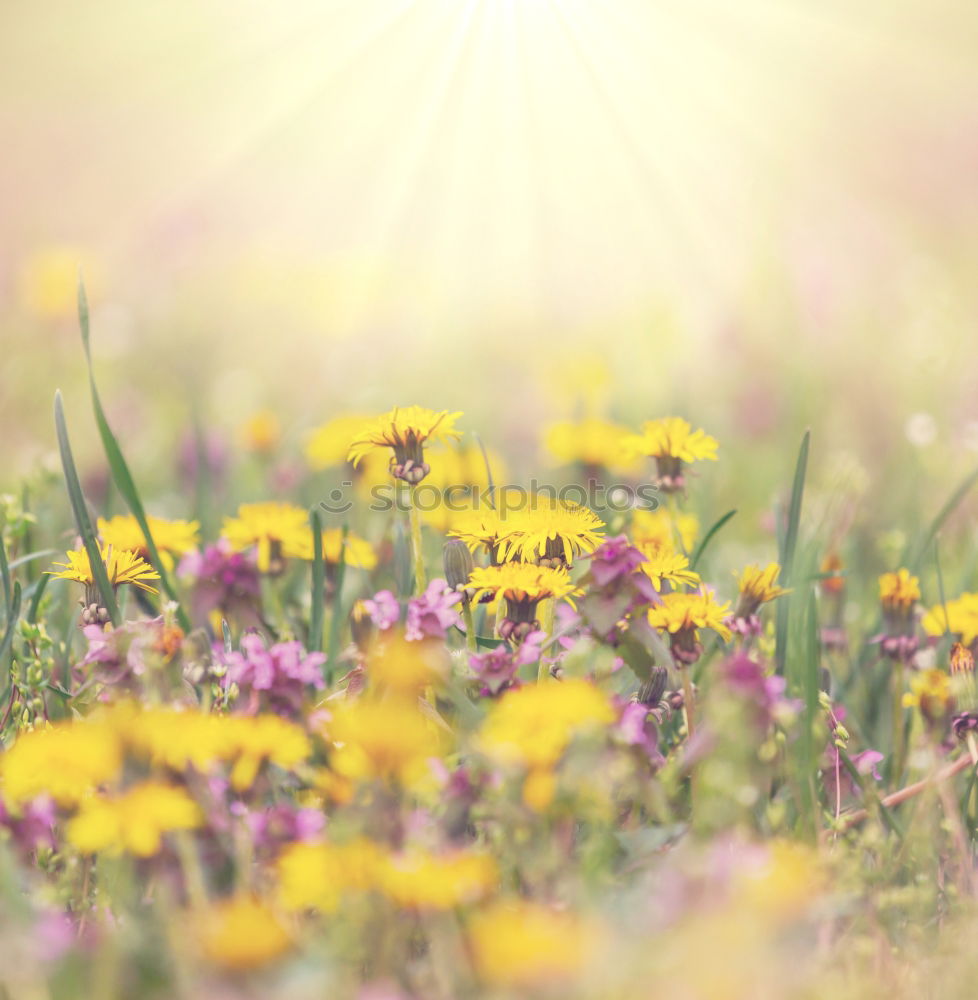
x: 277, y: 531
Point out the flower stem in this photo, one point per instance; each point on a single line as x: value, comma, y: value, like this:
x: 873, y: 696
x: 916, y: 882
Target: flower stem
x: 420, y: 581
x: 470, y: 637
x: 688, y: 702
x: 897, y: 720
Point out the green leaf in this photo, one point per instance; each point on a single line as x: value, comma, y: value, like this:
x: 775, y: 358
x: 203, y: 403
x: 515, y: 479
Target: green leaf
x: 121, y: 475
x: 787, y: 551
x: 226, y: 634
x: 488, y: 641
x: 5, y: 574
x: 82, y: 520
x: 31, y: 556
x: 708, y: 537
x: 317, y: 597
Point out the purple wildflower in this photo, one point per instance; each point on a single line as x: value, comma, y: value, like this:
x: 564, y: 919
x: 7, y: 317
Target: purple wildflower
x: 497, y: 668
x: 431, y: 614
x: 383, y: 609
x: 273, y: 678
x: 224, y: 581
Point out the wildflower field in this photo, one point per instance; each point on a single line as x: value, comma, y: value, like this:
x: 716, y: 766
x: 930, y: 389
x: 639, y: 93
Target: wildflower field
x: 489, y: 500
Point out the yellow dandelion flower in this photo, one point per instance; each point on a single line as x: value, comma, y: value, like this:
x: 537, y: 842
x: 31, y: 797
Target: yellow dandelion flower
x: 959, y: 617
x: 523, y: 585
x: 683, y: 615
x: 406, y: 430
x: 424, y: 881
x: 175, y: 739
x: 135, y: 821
x: 668, y: 567
x: 357, y: 551
x: 534, y: 725
x: 241, y: 934
x: 317, y: 876
x: 121, y: 565
x: 899, y: 591
x: 672, y: 442
x: 262, y: 432
x: 279, y: 531
x: 66, y: 760
x: 660, y: 529
x: 591, y: 442
x: 551, y: 533
x: 522, y: 582
x: 757, y: 586
x: 524, y: 945
x: 387, y: 739
x: 172, y: 538
x: 485, y: 528
x: 329, y: 444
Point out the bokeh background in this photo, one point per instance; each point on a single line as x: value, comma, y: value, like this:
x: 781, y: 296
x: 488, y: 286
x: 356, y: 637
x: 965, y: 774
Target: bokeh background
x: 761, y: 215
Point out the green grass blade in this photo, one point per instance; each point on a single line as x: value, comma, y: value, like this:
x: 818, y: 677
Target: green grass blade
x: 708, y: 537
x: 336, y: 622
x: 80, y: 510
x: 916, y: 553
x: 226, y: 635
x: 31, y: 556
x: 12, y: 619
x: 786, y: 555
x: 39, y: 587
x: 121, y: 475
x: 317, y: 597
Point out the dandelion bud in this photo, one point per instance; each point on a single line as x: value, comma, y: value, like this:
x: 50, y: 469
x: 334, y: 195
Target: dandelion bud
x: 651, y: 692
x: 458, y: 564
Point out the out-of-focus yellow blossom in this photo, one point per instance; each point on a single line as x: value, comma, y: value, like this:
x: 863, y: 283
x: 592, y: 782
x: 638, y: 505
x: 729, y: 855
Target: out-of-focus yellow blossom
x: 899, y: 591
x: 387, y: 739
x: 457, y: 484
x: 66, y: 760
x: 534, y: 725
x: 672, y: 437
x: 329, y: 444
x: 658, y: 530
x: 406, y: 430
x: 241, y: 934
x: 180, y: 739
x: 134, y: 821
x: 959, y: 617
x: 121, y: 565
x: 931, y: 693
x: 357, y: 551
x: 254, y: 740
x: 785, y: 883
x: 524, y: 945
x: 49, y: 281
x: 316, y: 876
x: 686, y: 613
x: 485, y: 528
x: 394, y: 664
x: 172, y: 538
x: 539, y: 789
x: 262, y: 432
x: 426, y: 881
x: 592, y: 442
x: 278, y: 531
x: 668, y: 567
